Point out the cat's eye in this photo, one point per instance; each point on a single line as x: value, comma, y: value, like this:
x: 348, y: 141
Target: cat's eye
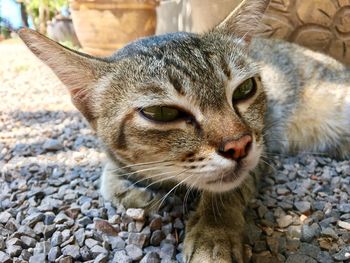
x: 245, y: 90
x: 161, y: 113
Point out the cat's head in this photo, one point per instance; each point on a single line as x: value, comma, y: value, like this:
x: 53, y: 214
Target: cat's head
x: 189, y: 108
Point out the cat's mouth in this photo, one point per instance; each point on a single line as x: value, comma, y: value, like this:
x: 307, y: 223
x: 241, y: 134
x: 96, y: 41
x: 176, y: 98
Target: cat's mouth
x: 228, y: 176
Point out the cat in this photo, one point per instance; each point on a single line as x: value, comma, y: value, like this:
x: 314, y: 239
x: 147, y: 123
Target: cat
x: 200, y: 110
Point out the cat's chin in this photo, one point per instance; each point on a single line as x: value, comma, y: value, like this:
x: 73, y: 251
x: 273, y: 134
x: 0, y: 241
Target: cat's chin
x: 227, y: 181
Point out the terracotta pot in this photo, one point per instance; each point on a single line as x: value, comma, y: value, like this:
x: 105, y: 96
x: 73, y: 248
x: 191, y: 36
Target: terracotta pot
x: 102, y: 26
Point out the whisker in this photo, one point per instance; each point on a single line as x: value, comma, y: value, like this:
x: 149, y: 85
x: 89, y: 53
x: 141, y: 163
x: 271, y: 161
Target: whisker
x: 150, y: 177
x: 161, y: 180
x: 139, y: 164
x: 172, y: 189
x: 142, y: 170
x: 268, y: 164
x: 187, y: 195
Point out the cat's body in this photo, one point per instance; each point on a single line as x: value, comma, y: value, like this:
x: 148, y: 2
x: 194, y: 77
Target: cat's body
x: 308, y: 99
x: 199, y: 111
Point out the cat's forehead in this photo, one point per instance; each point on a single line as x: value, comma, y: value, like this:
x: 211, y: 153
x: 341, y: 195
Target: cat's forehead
x: 196, y: 66
x: 150, y: 43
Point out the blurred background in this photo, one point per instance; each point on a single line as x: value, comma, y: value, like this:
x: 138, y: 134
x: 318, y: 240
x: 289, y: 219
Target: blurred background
x: 101, y: 26
x: 50, y: 160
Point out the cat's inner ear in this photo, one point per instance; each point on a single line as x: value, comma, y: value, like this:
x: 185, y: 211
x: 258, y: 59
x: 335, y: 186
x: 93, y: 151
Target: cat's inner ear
x: 77, y: 71
x: 245, y: 20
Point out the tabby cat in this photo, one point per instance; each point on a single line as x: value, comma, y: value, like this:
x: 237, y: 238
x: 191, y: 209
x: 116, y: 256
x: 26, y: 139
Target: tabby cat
x: 200, y: 110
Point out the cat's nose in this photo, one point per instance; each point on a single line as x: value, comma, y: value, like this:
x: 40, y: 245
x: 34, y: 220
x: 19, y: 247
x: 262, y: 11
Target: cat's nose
x: 236, y: 149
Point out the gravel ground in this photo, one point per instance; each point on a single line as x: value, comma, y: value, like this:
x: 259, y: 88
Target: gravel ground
x: 50, y: 208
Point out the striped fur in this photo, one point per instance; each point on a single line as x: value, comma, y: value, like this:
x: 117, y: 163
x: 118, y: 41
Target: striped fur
x: 302, y: 103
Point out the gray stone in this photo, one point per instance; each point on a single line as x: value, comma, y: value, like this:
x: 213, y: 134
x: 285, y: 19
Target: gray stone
x: 27, y: 231
x: 28, y: 241
x: 96, y: 250
x: 80, y: 236
x: 49, y: 230
x: 253, y: 233
x: 89, y: 242
x: 297, y: 258
x: 134, y: 252
x: 303, y: 206
x: 343, y: 254
x: 101, y: 258
x: 54, y: 253
x: 132, y: 227
x: 4, y: 217
x: 344, y: 225
x: 309, y: 250
x: 137, y: 239
x: 14, y: 242
x: 180, y: 258
x: 12, y: 225
x: 67, y: 259
x: 52, y: 145
x: 49, y: 218
x: 167, y: 229
x: 136, y: 213
x: 84, y: 221
x: 32, y: 219
x: 5, y: 258
x: 25, y: 255
x: 39, y: 228
x: 14, y: 250
x: 344, y: 208
x: 61, y: 218
x: 329, y: 232
x: 147, y: 231
x: 324, y: 257
x: 71, y: 250
x: 157, y: 237
x: 116, y: 242
x: 121, y: 256
x: 178, y: 224
x: 85, y: 253
x: 308, y: 233
x: 66, y: 234
x: 285, y: 221
x: 167, y: 250
x: 56, y: 239
x: 41, y: 247
x: 151, y: 257
x: 37, y: 258
x: 67, y: 242
x: 318, y: 205
x: 283, y: 190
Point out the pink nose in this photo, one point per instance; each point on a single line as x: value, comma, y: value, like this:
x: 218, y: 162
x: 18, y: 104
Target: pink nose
x: 236, y: 149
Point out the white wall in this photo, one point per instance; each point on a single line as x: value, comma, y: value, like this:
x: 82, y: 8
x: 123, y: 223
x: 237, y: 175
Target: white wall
x: 192, y: 15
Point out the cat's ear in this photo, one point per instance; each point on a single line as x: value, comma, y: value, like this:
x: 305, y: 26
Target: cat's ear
x: 79, y: 72
x: 245, y: 20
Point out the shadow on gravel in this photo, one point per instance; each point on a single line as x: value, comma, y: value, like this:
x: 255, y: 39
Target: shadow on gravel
x: 29, y: 118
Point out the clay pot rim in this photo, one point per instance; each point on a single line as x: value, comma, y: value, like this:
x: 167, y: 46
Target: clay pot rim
x: 113, y: 2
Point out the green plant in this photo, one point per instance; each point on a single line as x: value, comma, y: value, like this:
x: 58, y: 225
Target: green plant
x: 42, y: 11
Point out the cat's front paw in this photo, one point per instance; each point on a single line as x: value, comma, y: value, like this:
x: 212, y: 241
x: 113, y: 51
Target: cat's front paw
x: 207, y: 242
x: 121, y: 191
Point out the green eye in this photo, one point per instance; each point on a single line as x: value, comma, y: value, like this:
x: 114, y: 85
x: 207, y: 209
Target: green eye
x: 161, y: 113
x: 245, y: 90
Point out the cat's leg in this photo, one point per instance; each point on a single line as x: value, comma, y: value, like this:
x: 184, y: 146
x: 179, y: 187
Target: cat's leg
x: 215, y: 232
x: 118, y: 190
